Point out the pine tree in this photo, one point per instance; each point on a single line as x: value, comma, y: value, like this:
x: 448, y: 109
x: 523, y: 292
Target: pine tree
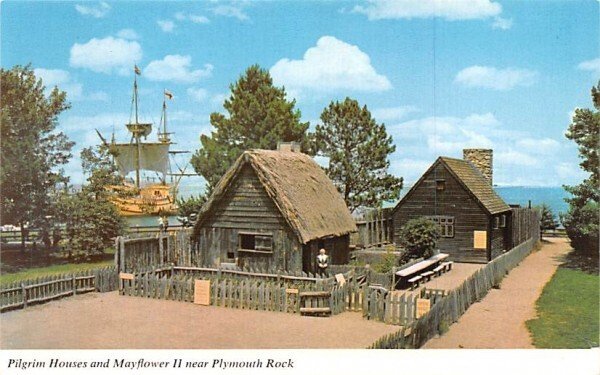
x: 259, y: 116
x: 581, y: 220
x: 358, y: 149
x: 32, y: 151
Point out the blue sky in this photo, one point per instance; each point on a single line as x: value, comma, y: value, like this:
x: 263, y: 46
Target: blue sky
x: 442, y: 75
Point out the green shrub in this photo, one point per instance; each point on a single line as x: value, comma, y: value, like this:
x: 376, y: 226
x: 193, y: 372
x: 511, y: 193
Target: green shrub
x: 419, y: 237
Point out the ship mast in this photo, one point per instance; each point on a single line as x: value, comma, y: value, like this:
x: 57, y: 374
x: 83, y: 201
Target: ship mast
x: 164, y: 136
x: 136, y: 128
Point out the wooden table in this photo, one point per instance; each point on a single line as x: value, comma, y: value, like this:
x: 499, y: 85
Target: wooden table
x: 424, y: 265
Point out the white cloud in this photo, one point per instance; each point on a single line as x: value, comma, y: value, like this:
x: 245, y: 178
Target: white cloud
x: 128, y: 34
x: 448, y: 9
x: 570, y: 171
x: 106, y: 55
x: 502, y: 23
x: 176, y: 68
x: 63, y: 80
x: 494, y: 78
x: 97, y: 11
x: 590, y: 65
x: 166, y: 25
x: 512, y: 157
x: 519, y: 158
x: 409, y: 167
x: 234, y: 11
x: 198, y: 19
x: 195, y: 18
x: 547, y: 146
x: 104, y: 122
x: 393, y: 113
x: 218, y: 99
x: 331, y: 65
x: 197, y: 94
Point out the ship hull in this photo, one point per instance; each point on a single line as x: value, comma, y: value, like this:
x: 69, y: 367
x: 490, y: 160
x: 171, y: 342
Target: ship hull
x: 150, y: 200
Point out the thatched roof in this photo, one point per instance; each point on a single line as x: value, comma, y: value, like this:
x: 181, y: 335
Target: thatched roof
x: 472, y: 180
x: 301, y: 190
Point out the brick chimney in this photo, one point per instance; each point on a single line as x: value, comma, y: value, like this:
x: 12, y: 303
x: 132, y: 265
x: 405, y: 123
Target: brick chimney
x: 288, y: 147
x: 482, y: 159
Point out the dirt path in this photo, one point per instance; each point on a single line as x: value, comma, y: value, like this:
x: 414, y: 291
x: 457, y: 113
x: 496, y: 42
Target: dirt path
x: 110, y: 321
x: 498, y: 321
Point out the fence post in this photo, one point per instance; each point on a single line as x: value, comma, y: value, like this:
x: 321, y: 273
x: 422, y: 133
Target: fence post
x: 24, y: 292
x: 74, y: 284
x: 121, y: 254
x: 161, y: 250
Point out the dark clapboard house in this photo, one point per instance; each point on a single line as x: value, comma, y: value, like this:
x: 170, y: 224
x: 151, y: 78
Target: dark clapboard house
x: 274, y: 210
x: 458, y: 195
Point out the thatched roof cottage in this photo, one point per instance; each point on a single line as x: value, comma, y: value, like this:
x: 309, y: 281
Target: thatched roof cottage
x: 274, y: 210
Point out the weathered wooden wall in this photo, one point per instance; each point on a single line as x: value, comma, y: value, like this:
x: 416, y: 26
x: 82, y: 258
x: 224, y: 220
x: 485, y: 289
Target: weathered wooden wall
x: 469, y: 216
x: 374, y: 229
x: 246, y: 207
x: 336, y: 247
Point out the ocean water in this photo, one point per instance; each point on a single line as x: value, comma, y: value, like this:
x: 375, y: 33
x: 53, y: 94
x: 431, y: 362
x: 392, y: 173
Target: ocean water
x: 554, y: 197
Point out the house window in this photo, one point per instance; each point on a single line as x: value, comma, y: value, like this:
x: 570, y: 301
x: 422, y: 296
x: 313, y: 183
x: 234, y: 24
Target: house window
x: 255, y: 242
x: 496, y: 222
x: 503, y: 221
x: 445, y: 225
x: 440, y: 185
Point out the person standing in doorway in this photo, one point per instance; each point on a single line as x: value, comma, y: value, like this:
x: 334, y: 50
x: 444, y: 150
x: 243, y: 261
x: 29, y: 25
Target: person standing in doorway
x: 322, y: 262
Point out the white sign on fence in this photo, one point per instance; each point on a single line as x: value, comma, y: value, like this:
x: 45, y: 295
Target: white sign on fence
x: 423, y: 306
x: 202, y: 292
x: 126, y: 276
x: 339, y: 277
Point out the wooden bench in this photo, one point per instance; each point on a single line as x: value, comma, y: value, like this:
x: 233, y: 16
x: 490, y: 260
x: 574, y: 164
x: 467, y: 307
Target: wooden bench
x: 439, y: 269
x: 414, y: 282
x: 447, y: 265
x: 308, y: 300
x: 427, y: 275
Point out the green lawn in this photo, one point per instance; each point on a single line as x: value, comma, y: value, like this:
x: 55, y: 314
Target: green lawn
x: 568, y: 311
x: 33, y: 273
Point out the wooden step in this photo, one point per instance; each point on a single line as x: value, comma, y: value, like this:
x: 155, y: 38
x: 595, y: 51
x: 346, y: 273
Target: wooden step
x: 315, y: 294
x: 315, y: 310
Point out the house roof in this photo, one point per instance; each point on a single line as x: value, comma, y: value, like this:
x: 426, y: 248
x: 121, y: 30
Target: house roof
x: 472, y: 180
x: 298, y: 186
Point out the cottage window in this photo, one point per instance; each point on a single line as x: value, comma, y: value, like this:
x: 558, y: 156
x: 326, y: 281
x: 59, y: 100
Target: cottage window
x: 445, y: 225
x: 496, y: 222
x: 255, y: 242
x: 440, y: 185
x: 503, y: 221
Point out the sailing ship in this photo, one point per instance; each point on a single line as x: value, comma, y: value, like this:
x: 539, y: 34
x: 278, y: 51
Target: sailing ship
x: 145, y: 195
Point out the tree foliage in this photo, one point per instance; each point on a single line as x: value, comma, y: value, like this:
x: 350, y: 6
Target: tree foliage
x: 548, y: 219
x: 91, y: 223
x: 91, y: 220
x: 32, y: 150
x: 259, y: 116
x: 358, y: 149
x: 419, y: 237
x: 189, y: 207
x: 101, y: 170
x: 581, y: 220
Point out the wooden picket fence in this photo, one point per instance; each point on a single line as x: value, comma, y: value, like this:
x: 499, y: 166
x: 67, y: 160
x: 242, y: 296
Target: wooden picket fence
x: 449, y: 308
x: 232, y: 292
x: 22, y: 294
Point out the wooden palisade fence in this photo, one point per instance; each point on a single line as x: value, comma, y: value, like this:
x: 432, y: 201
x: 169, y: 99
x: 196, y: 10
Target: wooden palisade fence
x: 281, y: 293
x: 40, y: 290
x: 376, y: 228
x: 448, y: 309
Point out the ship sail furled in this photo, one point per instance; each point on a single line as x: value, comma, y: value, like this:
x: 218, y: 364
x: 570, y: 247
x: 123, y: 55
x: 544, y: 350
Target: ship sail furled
x: 153, y: 156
